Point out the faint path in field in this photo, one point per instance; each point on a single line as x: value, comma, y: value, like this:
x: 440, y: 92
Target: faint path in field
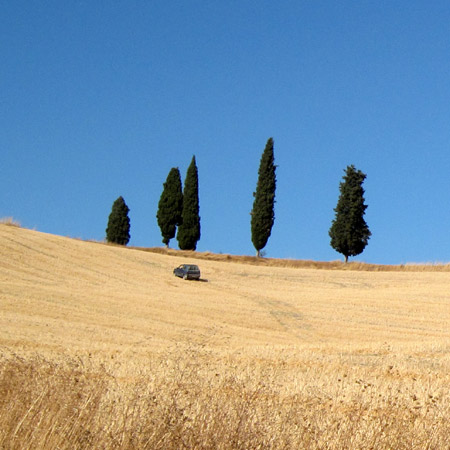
x: 289, y: 319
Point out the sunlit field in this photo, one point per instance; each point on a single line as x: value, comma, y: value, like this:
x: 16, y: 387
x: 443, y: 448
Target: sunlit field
x: 102, y: 347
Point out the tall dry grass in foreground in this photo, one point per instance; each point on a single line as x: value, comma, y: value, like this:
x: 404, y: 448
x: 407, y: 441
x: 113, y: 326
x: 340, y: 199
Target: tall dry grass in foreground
x: 185, y: 400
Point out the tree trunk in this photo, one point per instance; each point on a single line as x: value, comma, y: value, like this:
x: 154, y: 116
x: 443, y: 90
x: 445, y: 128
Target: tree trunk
x: 258, y: 253
x: 346, y: 259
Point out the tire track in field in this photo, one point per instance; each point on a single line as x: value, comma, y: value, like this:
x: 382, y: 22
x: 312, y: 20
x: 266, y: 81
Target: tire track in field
x: 288, y: 317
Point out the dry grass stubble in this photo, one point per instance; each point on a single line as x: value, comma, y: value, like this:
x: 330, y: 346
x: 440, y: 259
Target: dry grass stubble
x: 103, y: 348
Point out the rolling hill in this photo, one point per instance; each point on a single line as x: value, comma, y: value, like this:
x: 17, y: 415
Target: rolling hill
x: 362, y: 346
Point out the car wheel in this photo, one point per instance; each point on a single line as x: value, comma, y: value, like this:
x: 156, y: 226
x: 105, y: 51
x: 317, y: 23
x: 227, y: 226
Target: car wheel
x: 185, y: 277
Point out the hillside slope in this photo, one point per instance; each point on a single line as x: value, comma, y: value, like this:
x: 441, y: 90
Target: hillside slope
x: 102, y: 347
x: 60, y: 294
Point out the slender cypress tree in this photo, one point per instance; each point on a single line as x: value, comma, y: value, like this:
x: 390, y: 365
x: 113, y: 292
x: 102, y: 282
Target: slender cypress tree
x: 263, y: 214
x: 170, y: 206
x: 189, y: 230
x: 118, y: 229
x: 349, y: 232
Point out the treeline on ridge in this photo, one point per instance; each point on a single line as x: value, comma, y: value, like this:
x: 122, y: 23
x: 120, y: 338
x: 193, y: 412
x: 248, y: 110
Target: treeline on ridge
x: 178, y: 210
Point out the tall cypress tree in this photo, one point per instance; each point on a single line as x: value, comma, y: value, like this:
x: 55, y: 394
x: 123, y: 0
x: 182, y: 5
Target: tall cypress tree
x: 189, y: 230
x: 170, y: 206
x: 349, y: 232
x: 118, y: 229
x: 263, y: 215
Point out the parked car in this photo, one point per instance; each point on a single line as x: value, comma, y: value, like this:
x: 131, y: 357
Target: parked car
x: 187, y: 272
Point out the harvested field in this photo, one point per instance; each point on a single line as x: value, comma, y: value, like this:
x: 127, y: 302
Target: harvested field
x: 102, y: 347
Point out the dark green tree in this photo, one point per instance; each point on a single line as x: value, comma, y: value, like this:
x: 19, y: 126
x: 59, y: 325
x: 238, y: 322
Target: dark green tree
x: 189, y: 230
x: 349, y: 232
x: 170, y: 206
x: 118, y: 229
x: 262, y: 215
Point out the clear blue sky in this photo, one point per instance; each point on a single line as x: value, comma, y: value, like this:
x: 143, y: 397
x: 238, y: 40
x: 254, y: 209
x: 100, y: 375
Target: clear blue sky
x: 101, y: 98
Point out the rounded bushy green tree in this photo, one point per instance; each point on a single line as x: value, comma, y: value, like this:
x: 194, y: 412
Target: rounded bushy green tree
x: 118, y: 229
x: 189, y: 230
x: 349, y: 232
x: 262, y: 214
x: 170, y: 206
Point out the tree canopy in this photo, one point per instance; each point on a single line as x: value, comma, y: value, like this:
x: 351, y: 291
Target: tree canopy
x: 118, y: 229
x: 349, y: 232
x: 170, y: 206
x: 189, y: 230
x: 262, y: 214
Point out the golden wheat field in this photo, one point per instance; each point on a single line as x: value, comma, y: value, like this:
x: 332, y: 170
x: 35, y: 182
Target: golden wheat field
x: 102, y: 347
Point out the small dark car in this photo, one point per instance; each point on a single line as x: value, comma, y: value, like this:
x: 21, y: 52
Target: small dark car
x: 187, y: 272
